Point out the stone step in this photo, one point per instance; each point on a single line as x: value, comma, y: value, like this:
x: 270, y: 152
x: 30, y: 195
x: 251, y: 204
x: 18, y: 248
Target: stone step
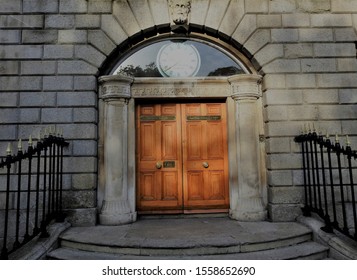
x: 185, y: 237
x: 307, y: 250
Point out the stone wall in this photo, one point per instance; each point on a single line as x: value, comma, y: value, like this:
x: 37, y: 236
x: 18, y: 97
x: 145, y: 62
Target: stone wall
x: 52, y: 52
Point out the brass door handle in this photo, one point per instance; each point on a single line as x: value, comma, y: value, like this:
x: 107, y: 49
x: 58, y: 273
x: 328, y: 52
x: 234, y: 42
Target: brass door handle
x: 158, y: 165
x: 205, y: 164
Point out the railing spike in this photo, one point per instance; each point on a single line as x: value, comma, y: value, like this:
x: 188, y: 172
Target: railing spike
x: 348, y: 143
x: 30, y: 141
x: 337, y: 140
x: 9, y: 149
x: 19, y: 145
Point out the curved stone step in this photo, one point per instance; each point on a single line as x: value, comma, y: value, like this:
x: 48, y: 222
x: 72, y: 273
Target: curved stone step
x: 185, y: 237
x: 307, y: 251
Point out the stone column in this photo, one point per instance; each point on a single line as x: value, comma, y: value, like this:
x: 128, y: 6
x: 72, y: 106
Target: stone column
x: 115, y: 92
x: 247, y: 204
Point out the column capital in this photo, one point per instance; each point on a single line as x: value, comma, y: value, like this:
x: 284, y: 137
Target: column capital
x: 245, y: 86
x: 115, y: 87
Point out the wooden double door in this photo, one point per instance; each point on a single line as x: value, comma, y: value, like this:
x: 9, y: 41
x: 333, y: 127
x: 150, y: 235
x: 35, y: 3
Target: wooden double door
x: 182, y: 164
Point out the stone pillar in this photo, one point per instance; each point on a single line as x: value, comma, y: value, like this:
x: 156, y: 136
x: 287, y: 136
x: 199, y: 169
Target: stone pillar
x: 115, y: 92
x: 247, y: 199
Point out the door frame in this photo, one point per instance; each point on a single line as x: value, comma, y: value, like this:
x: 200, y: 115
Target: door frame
x: 246, y: 149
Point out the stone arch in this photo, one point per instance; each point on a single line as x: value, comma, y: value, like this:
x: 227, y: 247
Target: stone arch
x: 135, y: 22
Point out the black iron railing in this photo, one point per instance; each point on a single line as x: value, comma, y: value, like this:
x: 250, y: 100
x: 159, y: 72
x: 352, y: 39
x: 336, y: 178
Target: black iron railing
x: 329, y: 182
x: 33, y: 191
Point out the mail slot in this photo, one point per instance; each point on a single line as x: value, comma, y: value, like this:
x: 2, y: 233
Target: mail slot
x: 169, y: 164
x: 203, y: 118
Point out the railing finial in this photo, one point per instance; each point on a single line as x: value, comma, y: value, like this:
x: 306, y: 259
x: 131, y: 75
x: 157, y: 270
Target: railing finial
x: 9, y: 150
x: 19, y: 145
x: 337, y: 140
x: 348, y: 143
x: 30, y: 141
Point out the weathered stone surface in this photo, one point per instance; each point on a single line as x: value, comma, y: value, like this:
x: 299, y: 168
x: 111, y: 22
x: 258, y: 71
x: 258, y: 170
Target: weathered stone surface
x: 89, y: 54
x: 298, y: 50
x: 321, y: 96
x: 348, y: 96
x: 282, y: 66
x: 9, y: 36
x: 10, y: 6
x: 268, y: 53
x: 72, y: 36
x: 76, y: 99
x: 318, y: 65
x: 199, y: 11
x: 300, y: 81
x: 347, y: 64
x: 9, y: 67
x: 284, y: 212
x: 58, y: 51
x: 278, y: 145
x: 234, y: 11
x: 286, y: 194
x: 76, y: 67
x: 282, y: 6
x: 316, y: 34
x: 331, y: 112
x: 84, y: 181
x: 284, y: 35
x: 334, y: 20
x: 246, y: 27
x: 125, y: 16
x: 21, y: 21
x: 57, y: 83
x: 48, y: 6
x: 85, y: 83
x: 296, y: 20
x: 216, y: 12
x: 30, y: 115
x: 142, y: 13
x: 275, y: 113
x: 265, y: 21
x: 8, y: 99
x: 37, y: 99
x: 39, y: 36
x: 85, y: 115
x: 82, y: 217
x: 337, y: 80
x: 78, y: 199
x: 18, y: 83
x: 101, y: 41
x: 348, y: 6
x: 314, y: 6
x: 274, y: 81
x: 259, y: 39
x: 335, y: 50
x: 56, y: 115
x: 38, y: 67
x: 59, y: 21
x: 100, y: 6
x: 345, y: 35
x: 73, y: 6
x: 256, y: 6
x: 113, y: 29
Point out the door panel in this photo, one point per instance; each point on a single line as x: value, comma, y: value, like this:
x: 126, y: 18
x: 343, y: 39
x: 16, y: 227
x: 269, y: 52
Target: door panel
x: 159, y: 142
x: 182, y: 158
x: 204, y: 156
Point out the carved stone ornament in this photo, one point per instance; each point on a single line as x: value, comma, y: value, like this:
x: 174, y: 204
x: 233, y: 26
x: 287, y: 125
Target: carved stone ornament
x: 179, y: 12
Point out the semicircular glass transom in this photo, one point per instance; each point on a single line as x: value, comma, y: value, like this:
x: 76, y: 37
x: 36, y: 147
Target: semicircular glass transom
x: 179, y: 59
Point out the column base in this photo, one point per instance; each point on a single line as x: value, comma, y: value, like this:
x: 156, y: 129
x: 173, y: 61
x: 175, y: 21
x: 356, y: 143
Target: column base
x: 249, y: 209
x: 116, y: 213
